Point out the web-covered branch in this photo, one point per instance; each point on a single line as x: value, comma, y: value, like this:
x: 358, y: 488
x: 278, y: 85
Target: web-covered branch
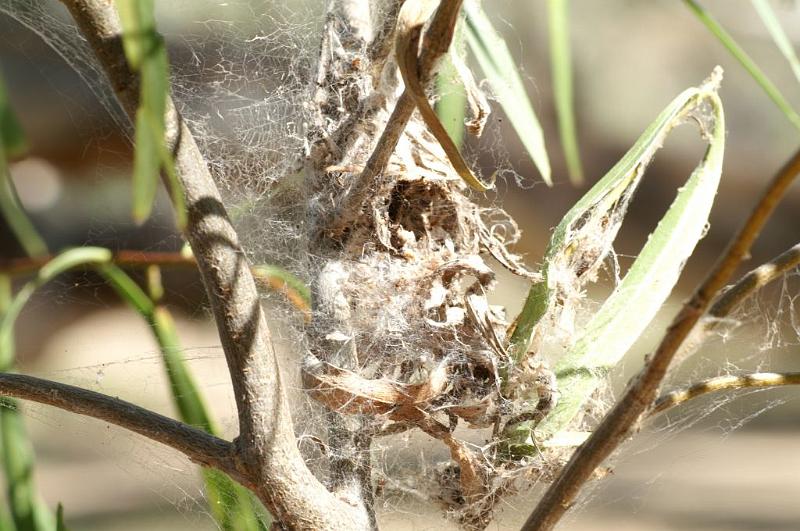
x: 268, y: 450
x: 201, y: 447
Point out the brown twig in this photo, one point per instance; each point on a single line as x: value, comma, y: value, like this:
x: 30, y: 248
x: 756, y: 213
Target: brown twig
x: 435, y: 44
x: 721, y: 383
x: 618, y: 423
x: 268, y: 452
x: 199, y: 446
x: 124, y: 258
x: 754, y: 281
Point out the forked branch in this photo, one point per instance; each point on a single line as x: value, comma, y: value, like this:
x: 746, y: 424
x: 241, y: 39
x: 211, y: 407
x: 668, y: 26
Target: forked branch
x: 268, y: 451
x: 641, y: 393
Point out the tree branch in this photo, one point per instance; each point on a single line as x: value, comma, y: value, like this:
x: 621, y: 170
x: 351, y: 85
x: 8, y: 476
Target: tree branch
x: 721, y: 383
x: 754, y: 281
x: 617, y: 424
x: 201, y: 447
x: 268, y: 451
x: 124, y: 258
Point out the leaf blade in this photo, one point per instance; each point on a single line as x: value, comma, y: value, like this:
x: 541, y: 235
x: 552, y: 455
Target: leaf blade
x: 628, y: 310
x: 727, y: 40
x: 500, y: 70
x: 561, y: 66
x: 773, y: 25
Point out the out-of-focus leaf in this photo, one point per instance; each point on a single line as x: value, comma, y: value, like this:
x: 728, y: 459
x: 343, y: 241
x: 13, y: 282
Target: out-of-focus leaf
x: 561, y: 65
x: 740, y: 55
x: 146, y: 54
x: 585, y: 235
x: 18, y: 221
x: 28, y: 511
x: 282, y: 281
x: 783, y: 43
x: 12, y: 142
x: 233, y: 506
x: 63, y: 262
x: 501, y: 71
x: 12, y: 138
x: 60, y: 524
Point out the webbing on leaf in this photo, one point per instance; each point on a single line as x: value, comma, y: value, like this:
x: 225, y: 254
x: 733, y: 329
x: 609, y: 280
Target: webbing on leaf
x: 584, y: 237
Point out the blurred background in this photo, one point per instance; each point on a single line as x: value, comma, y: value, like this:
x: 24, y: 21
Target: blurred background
x: 630, y: 59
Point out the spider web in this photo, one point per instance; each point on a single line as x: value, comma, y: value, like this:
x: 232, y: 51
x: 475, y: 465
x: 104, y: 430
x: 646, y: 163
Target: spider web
x: 241, y: 77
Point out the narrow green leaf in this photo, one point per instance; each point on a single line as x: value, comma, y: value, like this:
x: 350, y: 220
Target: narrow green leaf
x: 770, y: 20
x: 147, y: 55
x: 630, y: 308
x: 12, y: 138
x: 452, y: 103
x: 28, y: 511
x: 12, y: 143
x: 15, y: 216
x: 146, y: 165
x: 60, y: 524
x: 6, y: 523
x: 138, y: 25
x: 561, y: 65
x: 63, y: 262
x: 740, y: 55
x: 232, y: 505
x: 500, y: 70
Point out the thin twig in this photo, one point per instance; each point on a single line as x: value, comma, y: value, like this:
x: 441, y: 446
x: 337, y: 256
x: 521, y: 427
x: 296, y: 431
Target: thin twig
x: 721, y: 383
x: 199, y: 446
x: 268, y: 450
x: 124, y: 258
x: 618, y: 423
x: 754, y: 281
x: 435, y: 44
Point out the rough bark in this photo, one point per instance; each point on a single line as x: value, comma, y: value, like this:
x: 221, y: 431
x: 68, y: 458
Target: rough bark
x: 267, y: 451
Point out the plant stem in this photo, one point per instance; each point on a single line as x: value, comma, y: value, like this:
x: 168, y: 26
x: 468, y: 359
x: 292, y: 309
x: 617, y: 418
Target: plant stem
x: 618, y: 423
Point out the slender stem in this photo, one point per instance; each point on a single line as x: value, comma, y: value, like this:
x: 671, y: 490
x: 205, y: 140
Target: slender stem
x: 435, y: 44
x: 268, y: 450
x: 720, y: 383
x: 124, y: 258
x: 754, y: 281
x: 617, y: 424
x: 199, y: 446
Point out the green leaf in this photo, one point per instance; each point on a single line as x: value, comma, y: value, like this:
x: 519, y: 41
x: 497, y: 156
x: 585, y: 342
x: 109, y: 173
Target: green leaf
x: 146, y: 165
x: 28, y: 511
x: 63, y: 262
x: 500, y: 70
x: 452, y: 103
x: 740, y: 55
x: 147, y: 55
x: 770, y: 20
x: 138, y: 28
x: 233, y: 506
x: 238, y: 510
x: 12, y: 138
x: 561, y: 65
x: 60, y: 524
x: 629, y: 309
x: 18, y: 221
x: 12, y: 142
